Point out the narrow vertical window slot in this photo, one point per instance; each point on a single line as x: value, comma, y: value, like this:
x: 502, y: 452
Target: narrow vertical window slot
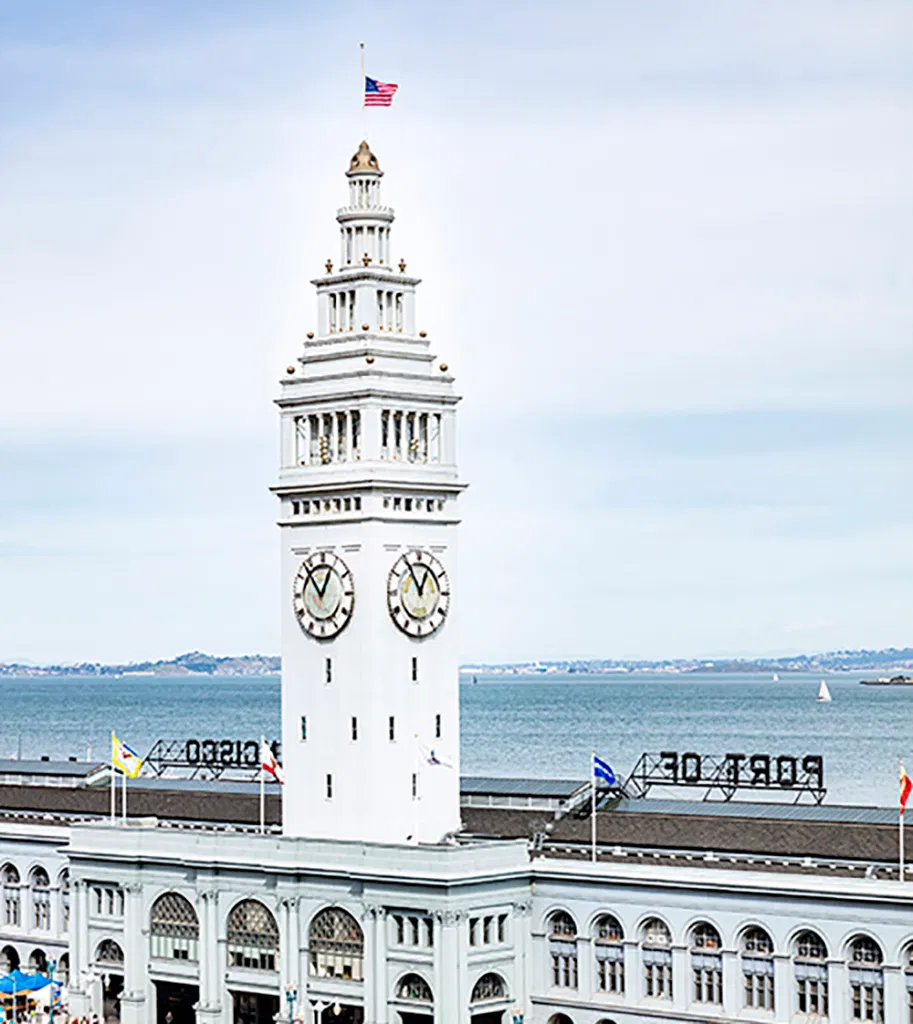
x: 423, y: 437
x: 329, y: 670
x: 389, y: 311
x: 414, y: 786
x: 354, y: 728
x: 399, y: 312
x: 435, y: 439
x: 356, y: 434
x: 301, y: 440
x: 391, y: 728
x: 332, y: 299
x: 342, y: 436
x: 415, y: 670
x: 304, y: 728
x: 351, y: 309
x: 329, y: 787
x: 397, y: 435
x: 385, y: 434
x: 380, y: 310
x: 313, y: 439
x: 437, y: 727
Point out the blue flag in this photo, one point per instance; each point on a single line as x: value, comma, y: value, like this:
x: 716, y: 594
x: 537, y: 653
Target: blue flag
x: 602, y: 770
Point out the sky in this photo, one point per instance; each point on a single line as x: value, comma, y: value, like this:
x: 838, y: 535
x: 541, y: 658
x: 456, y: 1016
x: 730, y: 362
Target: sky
x: 665, y: 251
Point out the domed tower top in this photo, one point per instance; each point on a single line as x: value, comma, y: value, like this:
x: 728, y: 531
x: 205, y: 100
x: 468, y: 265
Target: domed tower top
x: 364, y: 160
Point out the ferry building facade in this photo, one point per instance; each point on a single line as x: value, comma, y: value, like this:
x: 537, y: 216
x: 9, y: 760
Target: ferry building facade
x: 395, y: 892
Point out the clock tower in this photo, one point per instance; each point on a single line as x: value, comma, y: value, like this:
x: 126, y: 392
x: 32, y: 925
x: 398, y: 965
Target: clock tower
x: 368, y: 490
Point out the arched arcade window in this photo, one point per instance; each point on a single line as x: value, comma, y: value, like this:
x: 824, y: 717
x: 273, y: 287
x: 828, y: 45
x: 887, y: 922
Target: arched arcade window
x: 758, y: 969
x: 11, y: 914
x: 866, y: 980
x: 707, y: 964
x: 336, y: 945
x: 41, y: 899
x: 656, y: 950
x: 810, y: 965
x: 109, y: 954
x: 488, y: 988
x: 562, y: 947
x: 9, y: 959
x: 414, y: 989
x: 174, y: 928
x: 253, y: 937
x: 608, y: 936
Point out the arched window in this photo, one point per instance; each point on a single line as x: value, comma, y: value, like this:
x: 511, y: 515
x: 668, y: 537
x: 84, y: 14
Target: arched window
x: 336, y: 945
x: 11, y: 915
x: 9, y: 959
x: 488, y: 988
x: 41, y: 900
x: 707, y: 964
x: 38, y: 961
x: 109, y: 953
x: 63, y: 969
x: 908, y: 977
x: 758, y: 969
x: 414, y: 989
x: 562, y: 947
x: 610, y: 954
x: 810, y: 964
x: 656, y: 950
x: 560, y: 1018
x: 64, y: 885
x: 253, y: 937
x: 866, y: 980
x: 174, y: 928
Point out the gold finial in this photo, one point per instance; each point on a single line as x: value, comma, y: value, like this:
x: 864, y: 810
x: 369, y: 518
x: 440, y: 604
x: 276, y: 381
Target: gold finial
x: 366, y: 259
x: 443, y: 367
x: 364, y: 327
x: 402, y: 266
x: 290, y: 370
x: 369, y: 359
x: 329, y: 266
x: 310, y: 335
x: 364, y: 160
x: 423, y: 334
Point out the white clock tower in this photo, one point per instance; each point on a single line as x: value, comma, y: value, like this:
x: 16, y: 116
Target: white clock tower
x: 368, y: 487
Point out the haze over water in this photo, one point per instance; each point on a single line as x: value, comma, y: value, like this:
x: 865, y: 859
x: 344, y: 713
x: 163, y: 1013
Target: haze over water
x: 522, y: 726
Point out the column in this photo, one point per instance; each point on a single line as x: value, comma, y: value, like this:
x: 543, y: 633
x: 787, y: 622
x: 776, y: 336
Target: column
x: 133, y: 997
x: 450, y: 1003
x: 732, y: 983
x: 838, y: 991
x: 584, y: 967
x: 209, y: 1007
x: 437, y: 972
x: 783, y: 987
x: 681, y: 978
x: 462, y: 932
x: 78, y: 990
x: 368, y: 912
x: 522, y: 939
x: 634, y: 975
x: 380, y: 965
x: 895, y: 993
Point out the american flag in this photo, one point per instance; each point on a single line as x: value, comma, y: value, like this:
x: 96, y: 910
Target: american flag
x: 378, y: 94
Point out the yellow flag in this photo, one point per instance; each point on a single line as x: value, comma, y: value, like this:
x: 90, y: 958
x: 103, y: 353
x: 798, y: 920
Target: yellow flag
x: 125, y: 758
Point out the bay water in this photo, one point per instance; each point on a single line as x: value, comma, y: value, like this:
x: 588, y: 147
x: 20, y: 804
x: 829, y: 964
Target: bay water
x: 539, y: 726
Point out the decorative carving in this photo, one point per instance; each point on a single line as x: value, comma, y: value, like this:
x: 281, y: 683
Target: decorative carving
x: 523, y: 908
x: 366, y: 259
x: 329, y: 266
x: 402, y: 266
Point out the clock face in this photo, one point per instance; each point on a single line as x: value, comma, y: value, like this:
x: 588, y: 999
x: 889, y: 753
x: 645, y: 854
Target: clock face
x: 324, y: 595
x: 418, y: 593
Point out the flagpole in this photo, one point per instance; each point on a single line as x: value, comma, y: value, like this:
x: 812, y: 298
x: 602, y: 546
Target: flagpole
x: 364, y: 117
x: 900, y: 830
x: 113, y: 784
x: 262, y: 788
x: 123, y: 806
x: 593, y: 807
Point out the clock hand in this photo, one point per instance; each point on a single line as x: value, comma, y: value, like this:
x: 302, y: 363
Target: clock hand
x: 421, y: 586
x: 326, y: 582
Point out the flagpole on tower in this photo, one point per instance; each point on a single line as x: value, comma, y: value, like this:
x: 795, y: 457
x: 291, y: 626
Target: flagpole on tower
x: 113, y: 784
x: 364, y: 118
x: 593, y: 807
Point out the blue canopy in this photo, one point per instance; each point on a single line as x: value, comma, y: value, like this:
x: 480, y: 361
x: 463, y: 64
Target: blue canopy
x: 18, y: 982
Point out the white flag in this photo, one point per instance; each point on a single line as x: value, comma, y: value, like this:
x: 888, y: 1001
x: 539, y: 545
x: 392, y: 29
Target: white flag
x: 269, y: 762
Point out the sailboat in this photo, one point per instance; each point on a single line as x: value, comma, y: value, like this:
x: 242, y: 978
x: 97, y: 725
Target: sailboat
x: 776, y: 678
x: 824, y: 694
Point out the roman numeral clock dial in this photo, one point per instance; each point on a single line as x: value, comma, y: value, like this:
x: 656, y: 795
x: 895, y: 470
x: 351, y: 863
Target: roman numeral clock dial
x: 324, y: 595
x: 418, y: 593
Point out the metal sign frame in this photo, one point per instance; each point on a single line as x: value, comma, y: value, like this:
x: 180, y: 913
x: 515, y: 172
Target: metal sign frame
x: 207, y: 758
x: 727, y: 774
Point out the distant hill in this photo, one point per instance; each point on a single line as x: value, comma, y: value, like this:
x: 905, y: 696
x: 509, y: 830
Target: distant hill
x: 195, y: 663
x: 885, y: 660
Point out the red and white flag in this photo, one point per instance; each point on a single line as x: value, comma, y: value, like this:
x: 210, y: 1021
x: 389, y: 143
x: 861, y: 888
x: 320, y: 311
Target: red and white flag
x: 379, y: 94
x: 906, y: 785
x: 269, y: 763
